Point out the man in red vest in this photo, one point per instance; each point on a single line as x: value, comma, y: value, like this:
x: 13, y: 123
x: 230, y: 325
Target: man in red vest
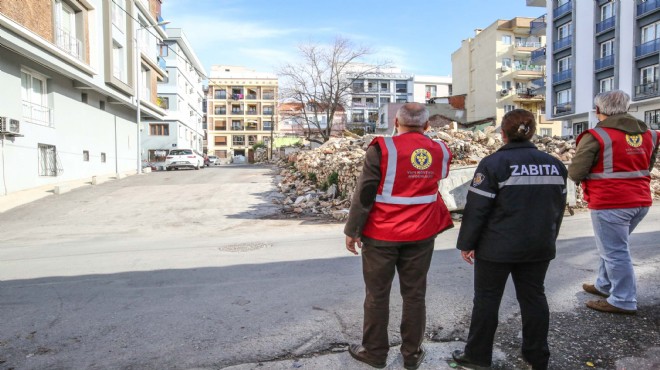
x: 395, y: 215
x: 613, y: 161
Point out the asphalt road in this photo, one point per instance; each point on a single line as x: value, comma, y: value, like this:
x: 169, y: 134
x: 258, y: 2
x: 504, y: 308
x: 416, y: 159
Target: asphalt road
x: 193, y: 269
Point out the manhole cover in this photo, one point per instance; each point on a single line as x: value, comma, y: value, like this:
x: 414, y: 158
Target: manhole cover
x: 244, y: 247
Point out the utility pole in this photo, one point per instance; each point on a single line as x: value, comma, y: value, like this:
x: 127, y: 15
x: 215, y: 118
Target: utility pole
x: 272, y: 123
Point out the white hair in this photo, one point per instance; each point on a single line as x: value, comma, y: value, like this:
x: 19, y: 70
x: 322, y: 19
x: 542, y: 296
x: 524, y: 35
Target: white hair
x: 412, y: 115
x: 612, y: 102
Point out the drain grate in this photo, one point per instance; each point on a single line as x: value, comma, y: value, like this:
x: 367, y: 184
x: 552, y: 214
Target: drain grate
x: 245, y: 247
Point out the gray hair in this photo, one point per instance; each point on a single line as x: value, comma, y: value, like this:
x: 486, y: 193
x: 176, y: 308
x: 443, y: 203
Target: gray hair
x: 612, y: 102
x: 412, y: 115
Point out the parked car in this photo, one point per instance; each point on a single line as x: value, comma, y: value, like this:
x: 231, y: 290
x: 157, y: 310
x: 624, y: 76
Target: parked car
x: 183, y: 158
x: 213, y: 160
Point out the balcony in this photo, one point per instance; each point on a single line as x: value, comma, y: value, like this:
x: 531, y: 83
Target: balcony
x: 220, y: 111
x: 562, y: 10
x: 537, y: 26
x: 251, y: 96
x: 536, y: 3
x: 605, y: 62
x: 238, y: 142
x: 268, y: 96
x: 220, y: 95
x: 237, y: 127
x: 37, y: 113
x: 526, y: 72
x: 562, y: 43
x: 252, y: 112
x: 647, y: 48
x: 358, y: 89
x: 527, y: 44
x: 538, y: 56
x: 606, y: 25
x: 562, y: 76
x: 252, y: 126
x: 268, y: 112
x: 237, y: 111
x: 646, y: 90
x: 69, y: 43
x: 563, y: 108
x: 648, y: 6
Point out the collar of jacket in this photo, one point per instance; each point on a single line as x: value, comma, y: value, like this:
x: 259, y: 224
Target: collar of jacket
x: 518, y: 145
x: 624, y: 122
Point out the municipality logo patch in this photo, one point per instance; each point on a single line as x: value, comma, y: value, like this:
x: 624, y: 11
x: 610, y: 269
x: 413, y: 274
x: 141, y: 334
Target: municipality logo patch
x: 421, y: 159
x: 478, y: 179
x: 634, y: 140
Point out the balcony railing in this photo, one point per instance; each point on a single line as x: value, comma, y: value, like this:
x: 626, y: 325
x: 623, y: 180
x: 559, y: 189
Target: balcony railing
x: 528, y: 44
x: 220, y: 95
x: 538, y: 55
x: 238, y: 143
x: 252, y: 127
x: 358, y: 88
x: 561, y: 76
x: 605, y: 62
x: 69, y: 43
x: 605, y: 25
x: 37, y: 113
x: 252, y: 112
x: 561, y: 10
x: 237, y: 128
x: 646, y: 90
x: 562, y: 108
x: 537, y: 26
x: 647, y: 6
x: 647, y: 48
x: 251, y: 96
x: 531, y: 68
x: 562, y: 43
x: 267, y: 112
x: 219, y: 111
x: 525, y: 92
x: 268, y: 96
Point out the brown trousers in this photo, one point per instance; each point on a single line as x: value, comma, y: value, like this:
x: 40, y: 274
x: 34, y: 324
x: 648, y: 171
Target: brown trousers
x: 412, y: 262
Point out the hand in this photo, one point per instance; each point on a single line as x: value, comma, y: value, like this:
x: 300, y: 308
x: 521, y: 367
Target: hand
x: 351, y: 242
x: 468, y: 256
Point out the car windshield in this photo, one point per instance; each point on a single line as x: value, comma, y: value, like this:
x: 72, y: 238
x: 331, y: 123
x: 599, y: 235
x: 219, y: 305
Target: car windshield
x: 180, y: 152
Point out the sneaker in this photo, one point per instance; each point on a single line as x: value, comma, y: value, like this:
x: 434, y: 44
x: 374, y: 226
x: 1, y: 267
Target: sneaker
x: 413, y: 362
x: 359, y: 353
x: 604, y: 306
x: 591, y: 288
x: 460, y: 358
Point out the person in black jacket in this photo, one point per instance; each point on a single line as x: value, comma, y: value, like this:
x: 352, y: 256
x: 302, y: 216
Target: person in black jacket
x: 515, y: 206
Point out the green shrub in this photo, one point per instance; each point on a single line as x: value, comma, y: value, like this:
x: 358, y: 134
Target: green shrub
x: 333, y: 178
x: 312, y: 177
x: 258, y: 145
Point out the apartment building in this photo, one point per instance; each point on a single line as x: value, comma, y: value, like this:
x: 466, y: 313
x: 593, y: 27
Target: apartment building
x: 371, y: 88
x: 427, y: 87
x: 68, y: 77
x: 619, y: 48
x: 495, y: 70
x: 181, y: 95
x: 241, y: 110
x: 293, y: 122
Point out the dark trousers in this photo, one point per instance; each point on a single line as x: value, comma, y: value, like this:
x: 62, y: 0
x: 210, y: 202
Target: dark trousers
x: 412, y: 262
x: 489, y: 282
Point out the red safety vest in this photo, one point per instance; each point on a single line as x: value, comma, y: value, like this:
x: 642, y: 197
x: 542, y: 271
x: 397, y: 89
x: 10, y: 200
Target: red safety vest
x: 621, y: 178
x: 408, y: 206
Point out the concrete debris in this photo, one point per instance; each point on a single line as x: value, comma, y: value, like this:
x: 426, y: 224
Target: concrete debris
x: 321, y: 181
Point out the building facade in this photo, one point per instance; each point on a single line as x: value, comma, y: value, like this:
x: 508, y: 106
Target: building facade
x: 293, y: 123
x: 427, y: 87
x: 373, y: 88
x: 241, y: 111
x: 181, y: 95
x: 495, y: 70
x: 67, y: 68
x: 619, y: 48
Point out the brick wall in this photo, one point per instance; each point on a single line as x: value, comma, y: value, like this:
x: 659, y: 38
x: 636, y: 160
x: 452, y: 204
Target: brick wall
x: 36, y: 15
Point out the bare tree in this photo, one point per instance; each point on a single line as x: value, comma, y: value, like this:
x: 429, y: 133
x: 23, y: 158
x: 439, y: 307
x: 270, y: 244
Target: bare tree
x: 321, y: 83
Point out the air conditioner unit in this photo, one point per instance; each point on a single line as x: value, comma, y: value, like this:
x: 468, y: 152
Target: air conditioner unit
x: 504, y: 92
x: 505, y: 68
x: 9, y: 126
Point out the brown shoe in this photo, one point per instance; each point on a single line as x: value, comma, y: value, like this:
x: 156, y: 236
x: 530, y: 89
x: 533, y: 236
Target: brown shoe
x: 604, y: 306
x: 360, y: 353
x: 413, y: 362
x: 590, y: 288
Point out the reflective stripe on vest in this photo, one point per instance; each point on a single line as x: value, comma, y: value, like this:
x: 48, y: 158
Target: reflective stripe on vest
x: 608, y: 164
x: 390, y: 175
x: 532, y: 180
x: 445, y: 159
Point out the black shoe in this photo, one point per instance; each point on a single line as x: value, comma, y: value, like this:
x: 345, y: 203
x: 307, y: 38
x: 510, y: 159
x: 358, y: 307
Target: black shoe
x: 360, y: 353
x: 413, y: 362
x: 460, y: 358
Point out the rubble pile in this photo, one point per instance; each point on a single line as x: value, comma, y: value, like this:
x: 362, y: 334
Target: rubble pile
x: 261, y: 155
x: 321, y: 181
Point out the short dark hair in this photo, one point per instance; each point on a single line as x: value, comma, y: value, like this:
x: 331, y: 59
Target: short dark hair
x: 519, y: 125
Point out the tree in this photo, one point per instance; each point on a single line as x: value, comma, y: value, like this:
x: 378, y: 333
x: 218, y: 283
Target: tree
x: 320, y: 84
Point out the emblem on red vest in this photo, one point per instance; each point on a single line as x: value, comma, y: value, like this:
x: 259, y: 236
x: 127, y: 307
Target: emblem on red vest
x: 421, y: 159
x: 634, y: 141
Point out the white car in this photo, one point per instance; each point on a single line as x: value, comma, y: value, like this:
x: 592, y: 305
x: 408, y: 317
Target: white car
x: 213, y: 160
x: 182, y: 158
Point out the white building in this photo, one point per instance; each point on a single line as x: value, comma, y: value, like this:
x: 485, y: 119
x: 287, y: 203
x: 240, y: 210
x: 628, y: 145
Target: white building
x: 427, y: 87
x: 595, y: 46
x: 68, y: 82
x: 181, y: 95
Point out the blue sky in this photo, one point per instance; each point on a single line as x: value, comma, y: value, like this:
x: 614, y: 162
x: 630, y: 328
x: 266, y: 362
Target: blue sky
x: 417, y: 36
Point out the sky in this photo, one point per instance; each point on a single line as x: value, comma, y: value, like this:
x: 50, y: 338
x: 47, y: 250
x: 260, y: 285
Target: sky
x: 414, y: 35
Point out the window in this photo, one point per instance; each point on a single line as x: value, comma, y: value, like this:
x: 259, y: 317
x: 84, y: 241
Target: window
x: 564, y: 96
x: 159, y: 129
x: 384, y: 87
x: 268, y: 125
x: 102, y: 157
x: 119, y: 14
x: 384, y: 100
x: 163, y: 102
x: 606, y: 11
x: 564, y: 64
x: 372, y: 117
x: 431, y: 91
x: 561, y: 2
x: 163, y: 50
x: 101, y: 105
x: 252, y: 139
x: 236, y: 125
x: 506, y: 62
x: 506, y: 85
x: 85, y: 155
x: 401, y: 87
x: 47, y: 160
x: 579, y: 128
x: 238, y: 140
x: 401, y: 100
x: 357, y: 100
x: 564, y: 31
x: 65, y: 29
x: 650, y: 32
x: 506, y: 39
x: 606, y: 84
x: 119, y: 62
x: 35, y: 100
x: 545, y: 132
x: 508, y: 108
x: 652, y: 117
x: 606, y: 48
x: 157, y: 155
x: 648, y: 74
x: 83, y: 97
x: 358, y: 117
x: 220, y: 141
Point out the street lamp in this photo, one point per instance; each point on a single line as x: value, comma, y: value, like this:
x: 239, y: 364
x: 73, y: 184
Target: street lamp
x: 138, y: 70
